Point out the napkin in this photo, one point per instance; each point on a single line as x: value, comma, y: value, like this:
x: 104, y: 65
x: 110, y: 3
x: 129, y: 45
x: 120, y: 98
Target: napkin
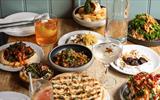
x: 25, y: 28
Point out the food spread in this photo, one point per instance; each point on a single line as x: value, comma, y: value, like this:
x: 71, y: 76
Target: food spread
x: 17, y: 54
x: 70, y: 58
x: 37, y: 70
x: 91, y: 11
x: 76, y: 86
x: 86, y: 39
x: 143, y: 86
x: 133, y: 58
x: 144, y: 27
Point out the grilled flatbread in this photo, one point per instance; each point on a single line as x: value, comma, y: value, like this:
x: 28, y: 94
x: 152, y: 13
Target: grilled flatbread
x: 77, y: 86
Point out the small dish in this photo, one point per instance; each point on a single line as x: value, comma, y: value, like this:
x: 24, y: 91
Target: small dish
x: 37, y: 70
x: 92, y: 24
x: 35, y: 47
x: 78, y: 48
x: 150, y: 66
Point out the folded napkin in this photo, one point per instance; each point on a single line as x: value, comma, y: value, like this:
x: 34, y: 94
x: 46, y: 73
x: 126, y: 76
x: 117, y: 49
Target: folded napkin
x: 24, y: 28
x: 20, y: 24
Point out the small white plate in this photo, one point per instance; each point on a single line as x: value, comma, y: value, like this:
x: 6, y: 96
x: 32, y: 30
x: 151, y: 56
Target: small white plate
x: 150, y: 66
x: 36, y: 48
x: 64, y: 38
x: 19, y: 31
x: 9, y: 95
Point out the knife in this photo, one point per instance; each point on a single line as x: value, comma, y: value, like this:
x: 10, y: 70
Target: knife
x: 17, y: 24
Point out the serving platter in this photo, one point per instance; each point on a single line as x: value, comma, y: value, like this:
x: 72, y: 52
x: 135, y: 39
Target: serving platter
x: 150, y: 66
x: 145, y: 43
x: 36, y: 48
x: 64, y: 39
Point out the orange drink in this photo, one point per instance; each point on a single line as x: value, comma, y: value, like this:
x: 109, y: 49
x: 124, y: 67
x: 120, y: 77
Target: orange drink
x: 46, y: 31
x: 43, y: 94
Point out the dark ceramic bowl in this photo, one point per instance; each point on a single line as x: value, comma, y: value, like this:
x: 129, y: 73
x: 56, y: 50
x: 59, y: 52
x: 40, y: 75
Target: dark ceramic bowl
x: 76, y: 47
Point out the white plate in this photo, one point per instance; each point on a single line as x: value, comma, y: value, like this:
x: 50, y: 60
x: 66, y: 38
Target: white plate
x: 36, y: 48
x: 19, y: 31
x: 152, y: 64
x: 64, y: 38
x: 9, y: 95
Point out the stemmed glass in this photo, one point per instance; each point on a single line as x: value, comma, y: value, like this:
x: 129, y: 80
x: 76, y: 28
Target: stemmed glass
x: 41, y: 90
x: 107, y: 52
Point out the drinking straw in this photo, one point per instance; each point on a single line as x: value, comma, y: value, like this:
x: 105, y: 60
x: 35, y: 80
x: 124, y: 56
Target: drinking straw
x: 30, y: 81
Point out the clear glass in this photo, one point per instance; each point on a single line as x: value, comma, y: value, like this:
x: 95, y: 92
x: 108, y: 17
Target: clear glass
x: 117, y: 19
x: 106, y: 53
x: 46, y: 31
x: 42, y: 90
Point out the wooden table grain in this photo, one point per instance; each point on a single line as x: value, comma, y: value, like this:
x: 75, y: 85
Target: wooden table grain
x: 11, y: 81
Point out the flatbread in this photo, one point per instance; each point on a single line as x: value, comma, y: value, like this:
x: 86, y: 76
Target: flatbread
x: 77, y: 86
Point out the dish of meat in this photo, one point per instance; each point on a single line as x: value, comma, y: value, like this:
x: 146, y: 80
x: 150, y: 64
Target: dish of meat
x: 142, y: 86
x: 14, y: 55
x: 135, y: 59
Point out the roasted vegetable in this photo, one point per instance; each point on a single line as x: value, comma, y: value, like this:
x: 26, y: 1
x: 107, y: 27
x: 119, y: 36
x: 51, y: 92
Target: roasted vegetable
x: 88, y: 6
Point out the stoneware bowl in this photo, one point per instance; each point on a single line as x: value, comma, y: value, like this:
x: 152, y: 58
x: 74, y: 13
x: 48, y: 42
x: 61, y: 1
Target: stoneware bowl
x: 93, y: 24
x: 76, y: 47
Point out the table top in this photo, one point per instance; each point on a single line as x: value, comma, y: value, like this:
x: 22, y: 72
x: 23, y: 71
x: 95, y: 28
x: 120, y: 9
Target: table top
x: 11, y: 81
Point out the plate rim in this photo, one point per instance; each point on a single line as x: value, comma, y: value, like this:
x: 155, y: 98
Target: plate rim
x: 127, y: 73
x: 14, y: 92
x: 18, y: 35
x: 64, y: 37
x: 8, y: 68
x: 144, y: 43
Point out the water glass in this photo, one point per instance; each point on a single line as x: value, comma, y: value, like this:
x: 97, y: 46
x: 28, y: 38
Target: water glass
x: 117, y: 20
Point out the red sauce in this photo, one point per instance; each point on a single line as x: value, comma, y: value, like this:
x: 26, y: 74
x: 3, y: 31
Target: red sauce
x: 44, y: 94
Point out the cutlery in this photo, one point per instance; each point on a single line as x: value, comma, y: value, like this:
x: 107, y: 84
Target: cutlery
x: 18, y: 23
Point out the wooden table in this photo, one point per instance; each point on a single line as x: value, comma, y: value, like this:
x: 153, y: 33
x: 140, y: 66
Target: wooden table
x: 11, y: 81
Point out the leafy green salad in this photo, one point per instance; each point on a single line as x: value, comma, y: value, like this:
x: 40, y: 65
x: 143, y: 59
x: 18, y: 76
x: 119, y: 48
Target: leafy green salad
x: 144, y: 27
